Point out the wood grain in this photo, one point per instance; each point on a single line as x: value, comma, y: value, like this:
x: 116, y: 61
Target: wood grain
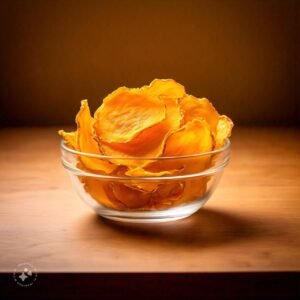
x: 251, y: 223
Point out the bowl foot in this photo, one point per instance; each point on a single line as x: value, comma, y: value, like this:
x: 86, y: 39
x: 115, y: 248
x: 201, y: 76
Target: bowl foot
x: 167, y: 215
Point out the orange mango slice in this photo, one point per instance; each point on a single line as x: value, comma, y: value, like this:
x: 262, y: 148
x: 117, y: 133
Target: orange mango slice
x: 224, y: 129
x: 82, y: 140
x: 125, y: 113
x: 195, y: 108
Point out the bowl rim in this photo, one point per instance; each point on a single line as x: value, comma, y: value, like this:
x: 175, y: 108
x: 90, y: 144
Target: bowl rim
x: 109, y: 177
x: 107, y: 157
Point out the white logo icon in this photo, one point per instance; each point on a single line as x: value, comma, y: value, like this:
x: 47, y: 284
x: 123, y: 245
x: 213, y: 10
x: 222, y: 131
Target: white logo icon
x: 25, y: 274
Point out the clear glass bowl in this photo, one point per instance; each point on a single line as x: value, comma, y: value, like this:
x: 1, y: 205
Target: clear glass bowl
x: 146, y: 199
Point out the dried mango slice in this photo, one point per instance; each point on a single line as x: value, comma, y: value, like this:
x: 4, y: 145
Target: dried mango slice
x: 166, y: 87
x: 139, y: 146
x: 140, y: 172
x: 193, y: 189
x: 224, y: 129
x: 86, y: 142
x: 82, y: 140
x: 142, y: 184
x: 116, y: 195
x: 166, y: 195
x: 130, y: 198
x: 193, y: 138
x: 125, y: 113
x: 150, y: 142
x: 70, y: 138
x: 101, y: 192
x: 163, y: 197
x: 195, y: 108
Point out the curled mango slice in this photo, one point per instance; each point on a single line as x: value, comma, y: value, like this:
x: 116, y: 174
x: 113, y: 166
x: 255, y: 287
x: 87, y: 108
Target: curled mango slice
x: 140, y: 172
x: 224, y: 129
x: 148, y: 186
x: 195, y: 108
x: 125, y: 113
x: 149, y: 143
x: 193, y: 138
x: 130, y: 198
x: 167, y: 195
x: 166, y: 87
x: 101, y: 192
x: 83, y: 141
x: 70, y: 138
x: 194, y: 189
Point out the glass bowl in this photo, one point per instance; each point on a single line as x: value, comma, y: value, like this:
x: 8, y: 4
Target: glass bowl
x: 147, y: 198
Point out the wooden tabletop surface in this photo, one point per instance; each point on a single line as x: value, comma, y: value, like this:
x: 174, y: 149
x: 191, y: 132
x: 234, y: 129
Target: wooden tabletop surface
x: 251, y: 223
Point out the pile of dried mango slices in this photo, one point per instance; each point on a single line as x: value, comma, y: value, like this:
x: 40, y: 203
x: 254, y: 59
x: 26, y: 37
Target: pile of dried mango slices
x: 152, y: 131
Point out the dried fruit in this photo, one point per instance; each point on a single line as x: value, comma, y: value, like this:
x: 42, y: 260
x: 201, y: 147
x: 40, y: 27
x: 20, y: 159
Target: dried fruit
x: 83, y: 141
x: 101, y: 192
x: 154, y: 131
x: 130, y: 198
x: 149, y: 143
x: 70, y: 138
x: 125, y: 113
x: 193, y: 138
x: 166, y: 87
x: 195, y: 108
x: 224, y: 128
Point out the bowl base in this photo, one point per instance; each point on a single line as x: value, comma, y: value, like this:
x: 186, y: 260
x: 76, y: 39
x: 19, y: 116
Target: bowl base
x: 167, y: 215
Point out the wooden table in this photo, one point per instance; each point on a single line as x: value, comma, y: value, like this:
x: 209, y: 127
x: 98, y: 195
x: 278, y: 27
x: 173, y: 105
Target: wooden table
x: 251, y: 223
